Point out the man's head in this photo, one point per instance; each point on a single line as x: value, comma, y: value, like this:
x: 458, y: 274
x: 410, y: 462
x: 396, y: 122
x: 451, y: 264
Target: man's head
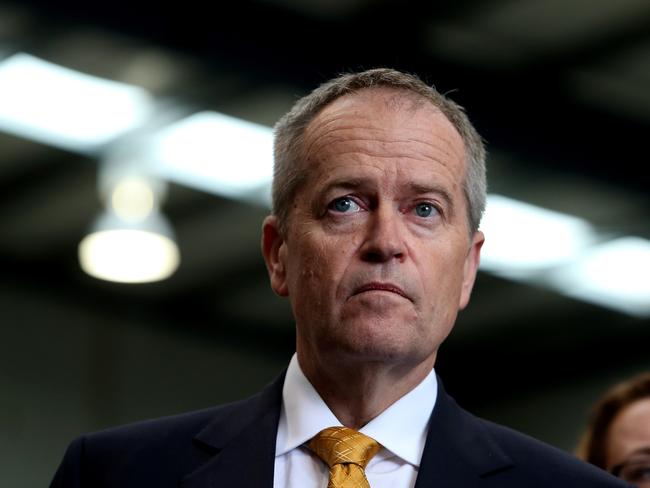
x: 371, y: 239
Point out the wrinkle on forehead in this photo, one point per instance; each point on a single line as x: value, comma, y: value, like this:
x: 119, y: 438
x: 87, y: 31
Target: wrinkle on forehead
x: 439, y: 149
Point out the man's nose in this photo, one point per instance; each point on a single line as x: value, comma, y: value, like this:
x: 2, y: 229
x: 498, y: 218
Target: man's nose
x: 384, y: 237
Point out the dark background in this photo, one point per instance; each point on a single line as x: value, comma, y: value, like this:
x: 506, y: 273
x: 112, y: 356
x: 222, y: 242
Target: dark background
x: 559, y: 90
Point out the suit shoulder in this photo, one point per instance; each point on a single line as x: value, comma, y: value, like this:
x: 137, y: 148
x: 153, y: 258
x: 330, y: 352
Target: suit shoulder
x: 105, y: 458
x: 156, y: 452
x: 173, y: 425
x: 164, y: 429
x: 548, y: 465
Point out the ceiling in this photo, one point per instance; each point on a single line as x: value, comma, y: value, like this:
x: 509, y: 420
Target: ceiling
x: 559, y: 90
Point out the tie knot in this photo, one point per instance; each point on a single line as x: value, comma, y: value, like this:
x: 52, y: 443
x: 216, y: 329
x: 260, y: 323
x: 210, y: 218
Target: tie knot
x: 340, y: 445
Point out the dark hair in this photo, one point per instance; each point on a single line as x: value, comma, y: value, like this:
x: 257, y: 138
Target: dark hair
x: 593, y: 445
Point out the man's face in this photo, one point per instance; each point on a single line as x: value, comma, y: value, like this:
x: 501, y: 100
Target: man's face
x: 377, y: 259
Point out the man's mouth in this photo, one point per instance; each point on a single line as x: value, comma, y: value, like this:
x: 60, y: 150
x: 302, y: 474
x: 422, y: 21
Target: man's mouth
x: 377, y: 286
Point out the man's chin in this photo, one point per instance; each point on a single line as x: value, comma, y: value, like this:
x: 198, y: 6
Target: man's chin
x: 376, y: 348
x: 385, y: 314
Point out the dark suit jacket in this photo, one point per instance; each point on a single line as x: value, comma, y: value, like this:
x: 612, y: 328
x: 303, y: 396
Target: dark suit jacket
x: 233, y: 446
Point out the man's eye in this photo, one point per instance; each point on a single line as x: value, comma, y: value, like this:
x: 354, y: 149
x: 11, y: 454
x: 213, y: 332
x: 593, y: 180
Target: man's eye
x: 344, y: 205
x: 425, y: 209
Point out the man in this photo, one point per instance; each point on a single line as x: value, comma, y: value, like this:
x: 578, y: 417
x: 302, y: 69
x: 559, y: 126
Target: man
x: 378, y: 191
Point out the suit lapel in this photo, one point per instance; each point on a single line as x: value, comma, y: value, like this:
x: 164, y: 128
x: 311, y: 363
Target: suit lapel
x: 241, y: 442
x: 459, y: 450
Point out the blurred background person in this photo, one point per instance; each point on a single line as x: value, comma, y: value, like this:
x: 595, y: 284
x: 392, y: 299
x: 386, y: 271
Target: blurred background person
x: 617, y: 437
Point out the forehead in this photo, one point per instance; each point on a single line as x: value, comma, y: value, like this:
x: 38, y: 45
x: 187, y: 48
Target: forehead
x: 634, y: 419
x: 630, y: 430
x: 385, y: 128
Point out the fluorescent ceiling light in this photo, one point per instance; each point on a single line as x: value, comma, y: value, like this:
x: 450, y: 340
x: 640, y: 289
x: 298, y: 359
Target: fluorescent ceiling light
x: 128, y: 256
x: 216, y: 153
x: 64, y: 108
x: 522, y: 239
x: 127, y: 252
x: 133, y: 199
x: 613, y: 274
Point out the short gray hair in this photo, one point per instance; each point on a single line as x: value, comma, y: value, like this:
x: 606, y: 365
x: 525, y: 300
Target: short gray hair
x: 289, y: 172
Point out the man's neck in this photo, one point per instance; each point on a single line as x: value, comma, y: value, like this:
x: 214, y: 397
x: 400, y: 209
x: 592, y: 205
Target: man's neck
x: 356, y: 391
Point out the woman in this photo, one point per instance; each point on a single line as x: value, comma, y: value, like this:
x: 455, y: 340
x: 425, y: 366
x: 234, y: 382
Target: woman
x: 617, y: 438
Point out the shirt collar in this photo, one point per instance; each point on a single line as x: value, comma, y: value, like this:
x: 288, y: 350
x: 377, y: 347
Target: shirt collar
x: 401, y: 428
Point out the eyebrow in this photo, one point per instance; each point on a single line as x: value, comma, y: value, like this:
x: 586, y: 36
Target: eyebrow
x: 615, y: 470
x: 642, y: 450
x: 347, y: 183
x: 420, y: 189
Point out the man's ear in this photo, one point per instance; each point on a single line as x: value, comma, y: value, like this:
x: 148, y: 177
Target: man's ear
x: 274, y: 252
x: 470, y: 268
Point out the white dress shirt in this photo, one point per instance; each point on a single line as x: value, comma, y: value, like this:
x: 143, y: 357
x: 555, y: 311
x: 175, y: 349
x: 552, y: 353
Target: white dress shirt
x: 401, y: 430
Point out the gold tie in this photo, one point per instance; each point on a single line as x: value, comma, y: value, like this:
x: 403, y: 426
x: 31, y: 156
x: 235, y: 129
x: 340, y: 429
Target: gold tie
x: 347, y: 453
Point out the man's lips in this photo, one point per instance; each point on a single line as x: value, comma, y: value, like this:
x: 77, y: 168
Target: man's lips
x: 376, y: 286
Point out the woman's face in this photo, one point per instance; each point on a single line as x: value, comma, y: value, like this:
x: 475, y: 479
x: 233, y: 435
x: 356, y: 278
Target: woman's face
x: 628, y: 446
